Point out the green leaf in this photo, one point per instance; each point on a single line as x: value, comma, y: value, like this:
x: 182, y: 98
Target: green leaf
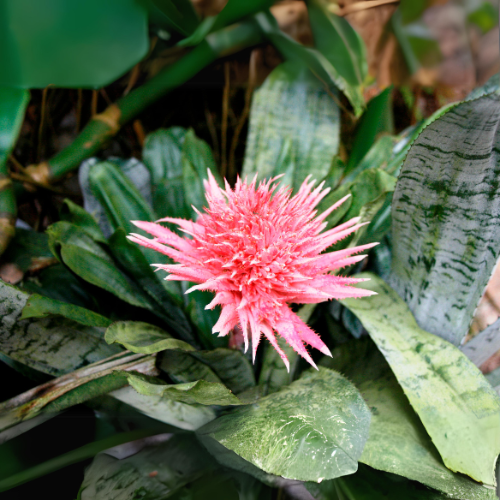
x: 75, y: 214
x: 459, y: 409
x: 317, y: 62
x: 51, y: 345
x: 118, y: 196
x: 87, y: 44
x: 199, y: 392
x: 141, y: 337
x: 13, y: 103
x: 309, y: 130
x: 41, y: 307
x: 187, y: 417
x: 180, y: 14
x: 177, y: 460
x: 446, y: 209
x: 398, y: 442
x: 26, y: 248
x: 302, y: 432
x: 485, y: 17
x: 335, y: 38
x: 376, y: 119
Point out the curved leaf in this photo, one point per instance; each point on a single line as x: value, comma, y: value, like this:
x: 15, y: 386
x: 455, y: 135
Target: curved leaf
x: 309, y: 129
x: 446, y: 212
x: 459, y: 409
x: 311, y: 430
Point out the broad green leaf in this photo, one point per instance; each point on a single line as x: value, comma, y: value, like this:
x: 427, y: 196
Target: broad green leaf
x: 141, y: 337
x: 376, y: 119
x: 183, y: 368
x: 317, y: 62
x: 309, y: 129
x: 27, y: 248
x: 398, y: 442
x: 445, y: 212
x: 311, y: 430
x: 41, y: 307
x: 180, y: 14
x: 51, y: 345
x: 199, y: 392
x: 335, y: 38
x: 485, y: 17
x: 187, y: 417
x: 75, y: 214
x: 77, y: 44
x: 177, y: 460
x: 459, y: 409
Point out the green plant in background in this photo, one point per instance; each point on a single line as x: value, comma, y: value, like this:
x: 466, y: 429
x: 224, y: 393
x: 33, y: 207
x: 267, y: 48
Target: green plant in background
x: 398, y: 411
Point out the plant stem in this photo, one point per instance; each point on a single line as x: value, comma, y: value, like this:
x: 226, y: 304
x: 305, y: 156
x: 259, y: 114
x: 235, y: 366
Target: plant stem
x: 105, y: 125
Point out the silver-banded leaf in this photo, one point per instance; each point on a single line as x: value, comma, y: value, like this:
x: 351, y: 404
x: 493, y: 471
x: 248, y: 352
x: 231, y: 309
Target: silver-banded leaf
x: 51, y: 345
x: 311, y: 430
x: 446, y: 211
x: 198, y: 392
x: 308, y: 131
x: 141, y: 337
x: 38, y: 306
x: 398, y: 442
x: 459, y: 409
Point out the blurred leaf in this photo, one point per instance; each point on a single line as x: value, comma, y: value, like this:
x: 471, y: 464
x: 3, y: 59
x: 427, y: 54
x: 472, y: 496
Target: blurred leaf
x: 77, y: 44
x: 13, y: 103
x: 177, y: 460
x: 188, y: 417
x: 317, y: 62
x: 51, y: 345
x: 75, y: 214
x: 137, y: 336
x: 335, y: 38
x: 457, y: 406
x: 302, y: 431
x: 72, y: 457
x: 26, y: 247
x: 233, y: 11
x: 182, y: 367
x: 485, y: 17
x: 180, y: 13
x: 41, y: 307
x: 444, y: 219
x: 199, y: 392
x: 376, y: 119
x: 398, y: 442
x: 303, y: 137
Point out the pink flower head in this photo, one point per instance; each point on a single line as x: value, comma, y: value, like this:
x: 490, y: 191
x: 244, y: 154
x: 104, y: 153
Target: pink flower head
x: 259, y: 249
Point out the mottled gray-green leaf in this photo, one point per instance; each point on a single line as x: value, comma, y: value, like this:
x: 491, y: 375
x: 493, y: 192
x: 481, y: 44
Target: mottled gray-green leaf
x: 309, y: 128
x: 141, y: 337
x: 177, y: 461
x: 41, y: 307
x: 446, y: 212
x: 398, y: 442
x: 51, y: 345
x: 199, y: 392
x: 311, y: 430
x: 459, y: 409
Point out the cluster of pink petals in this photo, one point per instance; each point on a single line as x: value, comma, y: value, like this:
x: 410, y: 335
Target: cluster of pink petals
x: 259, y: 249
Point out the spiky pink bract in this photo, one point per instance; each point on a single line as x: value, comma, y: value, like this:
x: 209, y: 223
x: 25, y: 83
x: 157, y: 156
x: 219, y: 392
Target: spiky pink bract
x: 259, y: 249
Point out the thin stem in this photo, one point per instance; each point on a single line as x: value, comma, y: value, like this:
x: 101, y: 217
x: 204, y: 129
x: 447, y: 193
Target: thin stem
x: 225, y: 108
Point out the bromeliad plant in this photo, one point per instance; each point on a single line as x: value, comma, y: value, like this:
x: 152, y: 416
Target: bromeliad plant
x: 393, y: 409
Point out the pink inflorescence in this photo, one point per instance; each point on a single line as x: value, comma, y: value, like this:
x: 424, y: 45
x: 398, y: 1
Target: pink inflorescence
x: 259, y: 249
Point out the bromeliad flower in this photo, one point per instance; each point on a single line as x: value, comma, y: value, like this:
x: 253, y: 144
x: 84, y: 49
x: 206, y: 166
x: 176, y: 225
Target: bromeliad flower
x: 260, y: 249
